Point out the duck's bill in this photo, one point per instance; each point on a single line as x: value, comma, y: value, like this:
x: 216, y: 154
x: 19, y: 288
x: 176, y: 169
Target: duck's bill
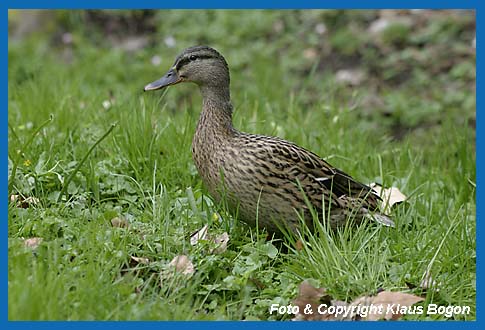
x: 170, y: 78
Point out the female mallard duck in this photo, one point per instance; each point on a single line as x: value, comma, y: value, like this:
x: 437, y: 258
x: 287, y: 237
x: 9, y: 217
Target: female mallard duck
x: 267, y: 179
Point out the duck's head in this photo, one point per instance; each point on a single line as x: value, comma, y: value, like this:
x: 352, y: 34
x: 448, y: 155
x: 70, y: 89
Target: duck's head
x: 202, y: 65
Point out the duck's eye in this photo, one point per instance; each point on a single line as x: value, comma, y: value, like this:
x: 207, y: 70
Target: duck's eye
x: 192, y: 57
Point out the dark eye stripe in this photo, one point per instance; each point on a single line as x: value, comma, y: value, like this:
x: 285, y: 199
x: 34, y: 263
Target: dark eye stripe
x: 186, y: 60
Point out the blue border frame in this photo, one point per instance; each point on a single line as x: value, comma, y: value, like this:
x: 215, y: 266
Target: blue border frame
x: 148, y: 4
x: 248, y: 4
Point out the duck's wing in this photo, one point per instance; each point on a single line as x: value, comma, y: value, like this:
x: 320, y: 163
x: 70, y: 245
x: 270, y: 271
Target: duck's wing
x: 286, y: 163
x: 339, y: 182
x: 315, y: 173
x: 337, y: 187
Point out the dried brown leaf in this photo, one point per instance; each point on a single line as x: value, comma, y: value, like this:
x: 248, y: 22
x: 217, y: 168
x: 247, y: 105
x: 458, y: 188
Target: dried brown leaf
x: 390, y: 196
x: 308, y: 295
x: 306, y: 290
x: 33, y: 242
x: 183, y: 265
x: 385, y: 305
x: 134, y: 261
x: 203, y: 235
x: 221, y: 242
x: 200, y: 234
x: 120, y: 222
x: 388, y: 305
x: 24, y: 202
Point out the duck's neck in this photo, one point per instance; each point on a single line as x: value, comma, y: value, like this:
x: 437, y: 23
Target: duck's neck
x: 216, y: 113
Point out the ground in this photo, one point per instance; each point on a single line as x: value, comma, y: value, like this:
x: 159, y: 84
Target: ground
x: 104, y: 194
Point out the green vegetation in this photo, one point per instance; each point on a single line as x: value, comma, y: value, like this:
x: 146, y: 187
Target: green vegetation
x: 408, y: 121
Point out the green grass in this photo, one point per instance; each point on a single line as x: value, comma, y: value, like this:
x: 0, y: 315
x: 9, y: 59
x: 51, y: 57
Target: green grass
x: 142, y: 171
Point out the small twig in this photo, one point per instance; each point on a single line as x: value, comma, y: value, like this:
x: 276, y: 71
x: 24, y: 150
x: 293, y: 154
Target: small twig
x: 69, y: 179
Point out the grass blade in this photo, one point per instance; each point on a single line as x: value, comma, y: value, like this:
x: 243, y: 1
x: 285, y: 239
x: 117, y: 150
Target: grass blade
x: 69, y: 179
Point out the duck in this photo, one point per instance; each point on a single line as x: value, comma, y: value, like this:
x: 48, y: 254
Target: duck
x: 268, y: 182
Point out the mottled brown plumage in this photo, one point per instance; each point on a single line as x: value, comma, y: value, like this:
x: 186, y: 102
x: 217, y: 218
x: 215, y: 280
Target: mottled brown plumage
x: 267, y: 179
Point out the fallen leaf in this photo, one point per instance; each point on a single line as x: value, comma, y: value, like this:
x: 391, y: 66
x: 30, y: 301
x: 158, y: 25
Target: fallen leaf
x: 24, y: 202
x: 176, y: 271
x: 308, y: 291
x: 310, y: 296
x: 389, y: 196
x: 200, y: 234
x: 134, y: 261
x: 33, y: 242
x: 394, y: 305
x: 203, y: 235
x: 385, y: 305
x: 183, y: 265
x: 119, y: 222
x: 221, y: 243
